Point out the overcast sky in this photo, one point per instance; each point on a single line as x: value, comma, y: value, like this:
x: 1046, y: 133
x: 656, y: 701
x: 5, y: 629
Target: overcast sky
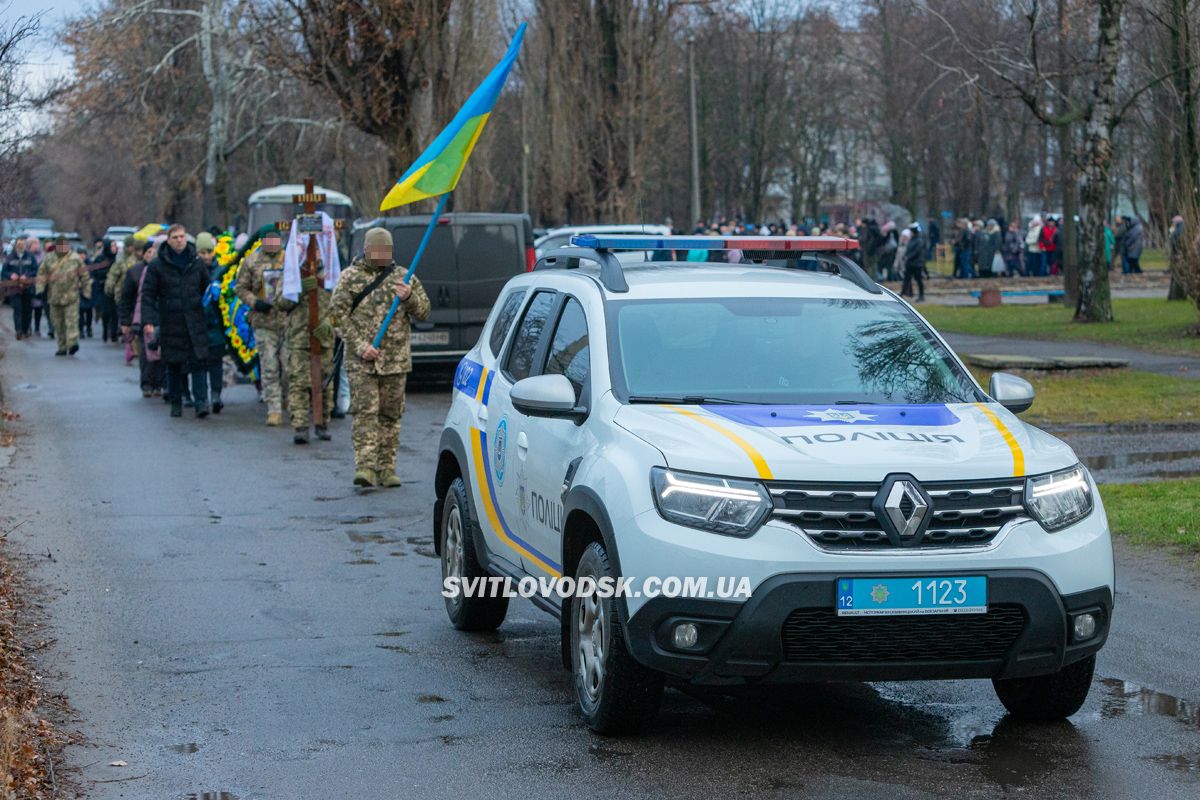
x: 43, y: 62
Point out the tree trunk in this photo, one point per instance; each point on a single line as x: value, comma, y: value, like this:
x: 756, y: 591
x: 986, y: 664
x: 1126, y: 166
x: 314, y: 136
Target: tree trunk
x: 1095, y: 299
x: 1187, y: 161
x: 1066, y: 173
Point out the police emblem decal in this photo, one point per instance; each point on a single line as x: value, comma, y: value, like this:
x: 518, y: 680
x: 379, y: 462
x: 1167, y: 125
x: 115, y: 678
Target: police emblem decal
x: 500, y: 449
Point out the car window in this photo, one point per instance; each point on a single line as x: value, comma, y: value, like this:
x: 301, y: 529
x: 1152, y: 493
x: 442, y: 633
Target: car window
x: 569, y: 351
x: 504, y: 321
x: 525, y: 343
x: 783, y: 350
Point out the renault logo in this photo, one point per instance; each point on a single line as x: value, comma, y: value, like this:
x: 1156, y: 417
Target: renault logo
x: 903, y: 509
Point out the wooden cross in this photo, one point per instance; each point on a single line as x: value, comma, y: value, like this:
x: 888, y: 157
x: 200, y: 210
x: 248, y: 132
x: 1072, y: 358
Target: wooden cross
x: 309, y: 199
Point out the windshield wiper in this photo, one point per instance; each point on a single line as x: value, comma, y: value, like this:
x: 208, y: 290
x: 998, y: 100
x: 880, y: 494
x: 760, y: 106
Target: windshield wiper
x: 687, y: 400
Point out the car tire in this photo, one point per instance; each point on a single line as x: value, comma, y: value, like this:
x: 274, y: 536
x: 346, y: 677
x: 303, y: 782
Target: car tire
x: 615, y: 694
x: 459, y: 560
x: 1048, y: 697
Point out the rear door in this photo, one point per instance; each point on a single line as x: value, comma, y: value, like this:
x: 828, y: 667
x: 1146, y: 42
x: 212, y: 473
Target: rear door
x: 438, y: 271
x: 489, y: 253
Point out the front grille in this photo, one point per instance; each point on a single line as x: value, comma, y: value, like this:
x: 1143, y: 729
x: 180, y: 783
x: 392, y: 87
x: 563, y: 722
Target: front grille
x: 838, y: 516
x: 820, y: 636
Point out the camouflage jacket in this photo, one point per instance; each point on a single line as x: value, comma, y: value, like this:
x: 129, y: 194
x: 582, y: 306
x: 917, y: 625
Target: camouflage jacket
x: 296, y: 320
x: 116, y: 276
x: 260, y: 277
x: 359, y: 328
x: 63, y: 278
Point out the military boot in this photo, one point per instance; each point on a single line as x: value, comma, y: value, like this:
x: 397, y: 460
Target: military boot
x: 323, y: 433
x: 364, y: 477
x: 389, y: 479
x: 274, y: 419
x: 300, y: 436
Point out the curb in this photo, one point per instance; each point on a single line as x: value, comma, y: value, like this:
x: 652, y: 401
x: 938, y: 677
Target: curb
x: 1122, y: 427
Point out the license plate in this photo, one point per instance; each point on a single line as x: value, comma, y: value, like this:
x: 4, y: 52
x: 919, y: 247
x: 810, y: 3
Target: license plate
x: 868, y: 597
x: 431, y: 337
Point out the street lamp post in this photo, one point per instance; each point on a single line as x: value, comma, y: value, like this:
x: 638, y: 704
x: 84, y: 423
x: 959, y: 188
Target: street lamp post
x: 694, y: 130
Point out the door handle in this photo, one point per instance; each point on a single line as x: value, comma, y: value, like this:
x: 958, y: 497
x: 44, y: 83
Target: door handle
x: 522, y: 444
x: 482, y: 417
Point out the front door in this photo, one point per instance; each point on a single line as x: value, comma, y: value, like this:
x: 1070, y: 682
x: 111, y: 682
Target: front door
x: 551, y: 448
x: 503, y: 432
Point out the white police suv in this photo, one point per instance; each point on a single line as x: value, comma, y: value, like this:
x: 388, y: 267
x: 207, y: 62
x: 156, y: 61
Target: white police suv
x: 784, y: 424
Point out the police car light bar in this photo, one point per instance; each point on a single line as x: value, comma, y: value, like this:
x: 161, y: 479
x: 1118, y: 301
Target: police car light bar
x: 798, y: 244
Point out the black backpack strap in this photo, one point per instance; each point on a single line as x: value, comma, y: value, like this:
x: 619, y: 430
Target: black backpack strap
x: 370, y: 287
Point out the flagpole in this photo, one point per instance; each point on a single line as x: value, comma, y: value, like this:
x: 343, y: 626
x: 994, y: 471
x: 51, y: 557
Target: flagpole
x: 412, y: 268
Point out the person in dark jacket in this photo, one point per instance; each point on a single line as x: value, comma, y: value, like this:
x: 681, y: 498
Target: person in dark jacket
x: 985, y: 244
x: 152, y: 372
x: 1014, y: 246
x: 914, y: 265
x: 206, y: 244
x: 173, y: 318
x: 1131, y: 246
x: 20, y: 273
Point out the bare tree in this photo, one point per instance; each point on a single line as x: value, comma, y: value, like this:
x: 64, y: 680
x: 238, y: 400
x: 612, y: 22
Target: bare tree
x: 1076, y: 93
x: 15, y: 36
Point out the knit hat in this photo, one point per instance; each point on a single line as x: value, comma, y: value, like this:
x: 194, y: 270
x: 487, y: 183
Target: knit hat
x: 205, y: 242
x: 269, y: 230
x: 378, y: 237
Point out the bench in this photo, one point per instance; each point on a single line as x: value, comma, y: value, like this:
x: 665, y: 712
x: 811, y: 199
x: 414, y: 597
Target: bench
x: 991, y: 297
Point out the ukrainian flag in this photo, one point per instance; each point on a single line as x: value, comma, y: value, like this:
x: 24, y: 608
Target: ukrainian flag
x: 438, y: 169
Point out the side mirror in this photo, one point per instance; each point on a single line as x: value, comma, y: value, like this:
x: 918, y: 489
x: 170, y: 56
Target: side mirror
x: 546, y: 396
x: 1015, y: 394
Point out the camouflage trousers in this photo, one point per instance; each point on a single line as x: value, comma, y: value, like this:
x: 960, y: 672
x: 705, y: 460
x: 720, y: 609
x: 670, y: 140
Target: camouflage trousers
x: 65, y: 321
x: 270, y: 354
x: 377, y: 402
x: 299, y: 387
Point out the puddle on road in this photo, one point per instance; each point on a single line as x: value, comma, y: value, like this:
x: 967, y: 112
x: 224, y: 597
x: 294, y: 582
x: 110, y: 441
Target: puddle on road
x: 1159, y: 458
x: 374, y: 537
x: 211, y: 796
x: 1177, y: 762
x: 360, y: 562
x: 185, y: 749
x: 1126, y: 699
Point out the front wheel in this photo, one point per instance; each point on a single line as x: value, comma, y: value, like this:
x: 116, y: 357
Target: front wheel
x: 1048, y: 697
x: 459, y: 562
x: 616, y: 695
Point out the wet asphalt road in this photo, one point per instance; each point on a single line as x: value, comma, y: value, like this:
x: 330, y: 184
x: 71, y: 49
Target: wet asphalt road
x: 233, y: 617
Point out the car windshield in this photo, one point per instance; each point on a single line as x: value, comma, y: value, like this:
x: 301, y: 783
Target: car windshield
x: 780, y: 350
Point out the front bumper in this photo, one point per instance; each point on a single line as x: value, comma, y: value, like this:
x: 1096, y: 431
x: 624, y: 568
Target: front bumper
x: 789, y: 632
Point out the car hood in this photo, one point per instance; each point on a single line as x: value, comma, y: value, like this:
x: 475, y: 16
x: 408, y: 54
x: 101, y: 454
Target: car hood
x: 961, y: 441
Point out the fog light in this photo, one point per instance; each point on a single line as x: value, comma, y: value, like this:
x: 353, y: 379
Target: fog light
x: 686, y: 635
x: 1085, y: 627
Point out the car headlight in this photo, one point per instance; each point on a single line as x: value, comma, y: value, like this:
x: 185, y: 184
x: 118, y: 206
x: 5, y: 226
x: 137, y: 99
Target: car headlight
x: 1060, y: 498
x: 721, y: 505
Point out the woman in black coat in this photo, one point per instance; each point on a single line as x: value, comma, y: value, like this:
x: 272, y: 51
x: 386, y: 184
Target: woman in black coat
x: 173, y: 317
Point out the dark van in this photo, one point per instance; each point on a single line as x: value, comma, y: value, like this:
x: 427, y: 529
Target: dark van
x: 469, y: 259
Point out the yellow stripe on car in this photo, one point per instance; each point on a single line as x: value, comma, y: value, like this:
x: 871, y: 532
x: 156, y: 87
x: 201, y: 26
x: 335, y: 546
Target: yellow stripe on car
x: 756, y: 457
x: 1017, y: 453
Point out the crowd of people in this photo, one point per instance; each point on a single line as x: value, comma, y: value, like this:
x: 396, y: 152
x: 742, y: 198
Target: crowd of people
x: 157, y: 296
x: 979, y: 248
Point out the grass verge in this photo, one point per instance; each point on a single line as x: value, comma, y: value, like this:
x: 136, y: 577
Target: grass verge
x: 1161, y: 513
x: 1143, y: 323
x: 1113, y: 396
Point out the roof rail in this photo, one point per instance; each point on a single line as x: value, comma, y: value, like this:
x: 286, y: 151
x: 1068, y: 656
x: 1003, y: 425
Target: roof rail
x: 611, y: 274
x: 761, y: 247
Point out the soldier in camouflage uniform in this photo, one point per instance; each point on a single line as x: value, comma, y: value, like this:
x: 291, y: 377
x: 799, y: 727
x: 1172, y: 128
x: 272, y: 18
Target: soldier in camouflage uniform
x: 258, y: 284
x: 63, y: 278
x: 299, y: 352
x: 377, y: 376
x: 116, y: 274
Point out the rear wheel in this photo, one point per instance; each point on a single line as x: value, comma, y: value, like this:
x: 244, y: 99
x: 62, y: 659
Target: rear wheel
x: 616, y: 695
x: 1048, y: 697
x: 459, y: 561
